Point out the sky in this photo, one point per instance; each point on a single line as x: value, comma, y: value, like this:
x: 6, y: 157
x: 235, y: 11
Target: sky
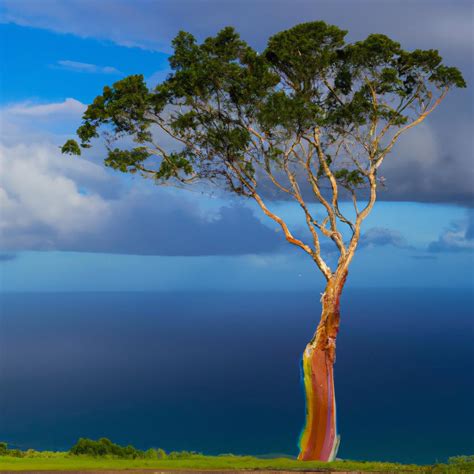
x: 70, y: 224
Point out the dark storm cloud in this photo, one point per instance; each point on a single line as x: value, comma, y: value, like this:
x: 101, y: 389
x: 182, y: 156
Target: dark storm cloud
x: 431, y: 164
x: 153, y: 224
x: 58, y: 205
x: 152, y: 24
x: 142, y: 226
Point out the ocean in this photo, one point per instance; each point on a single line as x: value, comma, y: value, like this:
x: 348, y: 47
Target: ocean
x: 219, y: 372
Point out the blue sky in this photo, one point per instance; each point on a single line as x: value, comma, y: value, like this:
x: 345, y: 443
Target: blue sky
x: 71, y: 225
x: 45, y: 66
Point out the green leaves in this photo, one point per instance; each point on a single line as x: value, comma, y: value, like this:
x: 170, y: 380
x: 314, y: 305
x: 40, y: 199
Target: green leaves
x: 374, y: 51
x: 232, y: 110
x: 223, y: 68
x: 86, y: 132
x: 186, y: 51
x: 226, y: 45
x: 447, y: 77
x: 349, y: 178
x: 174, y: 163
x: 227, y: 141
x: 305, y: 53
x: 126, y: 160
x: 123, y: 106
x: 291, y: 114
x: 71, y: 148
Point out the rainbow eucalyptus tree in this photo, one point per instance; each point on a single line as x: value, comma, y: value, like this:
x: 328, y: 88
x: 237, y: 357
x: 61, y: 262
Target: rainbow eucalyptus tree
x: 312, y: 117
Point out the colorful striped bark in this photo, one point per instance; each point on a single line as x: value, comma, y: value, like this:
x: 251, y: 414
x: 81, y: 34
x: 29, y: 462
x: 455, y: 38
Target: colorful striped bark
x: 319, y: 439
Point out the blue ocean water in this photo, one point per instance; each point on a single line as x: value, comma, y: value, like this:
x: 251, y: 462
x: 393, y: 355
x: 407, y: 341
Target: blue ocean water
x: 219, y: 372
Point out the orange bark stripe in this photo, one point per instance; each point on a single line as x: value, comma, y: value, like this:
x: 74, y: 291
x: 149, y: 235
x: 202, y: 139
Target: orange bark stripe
x: 319, y: 436
x: 321, y: 408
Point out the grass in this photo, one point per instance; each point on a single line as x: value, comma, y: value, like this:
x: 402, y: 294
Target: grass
x: 62, y: 461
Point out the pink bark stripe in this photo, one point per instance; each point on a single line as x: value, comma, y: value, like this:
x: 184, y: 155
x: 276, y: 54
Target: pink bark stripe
x: 328, y: 444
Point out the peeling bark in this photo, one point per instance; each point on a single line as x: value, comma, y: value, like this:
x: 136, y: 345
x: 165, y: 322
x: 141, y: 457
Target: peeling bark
x: 319, y: 439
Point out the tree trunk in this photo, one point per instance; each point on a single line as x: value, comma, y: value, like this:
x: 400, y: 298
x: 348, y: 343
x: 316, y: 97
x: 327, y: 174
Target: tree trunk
x: 319, y: 440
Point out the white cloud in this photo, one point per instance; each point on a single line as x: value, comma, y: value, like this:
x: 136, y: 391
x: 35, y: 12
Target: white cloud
x: 51, y: 201
x: 381, y: 236
x: 45, y: 195
x: 36, y: 196
x: 43, y: 206
x: 39, y: 122
x: 453, y: 241
x: 28, y: 109
x: 458, y: 237
x: 86, y: 67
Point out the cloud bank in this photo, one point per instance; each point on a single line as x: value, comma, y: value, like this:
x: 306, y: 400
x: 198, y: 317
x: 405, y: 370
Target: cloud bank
x: 51, y: 202
x: 152, y: 25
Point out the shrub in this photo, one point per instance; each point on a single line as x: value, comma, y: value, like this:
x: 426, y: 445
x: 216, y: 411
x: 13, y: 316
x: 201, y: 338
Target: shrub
x: 461, y: 459
x: 89, y: 447
x: 4, y: 451
x: 150, y: 454
x: 16, y: 453
x: 155, y: 453
x: 161, y: 454
x: 104, y: 447
x: 3, y: 448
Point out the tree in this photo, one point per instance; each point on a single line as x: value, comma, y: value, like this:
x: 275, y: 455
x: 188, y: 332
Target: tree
x: 312, y: 117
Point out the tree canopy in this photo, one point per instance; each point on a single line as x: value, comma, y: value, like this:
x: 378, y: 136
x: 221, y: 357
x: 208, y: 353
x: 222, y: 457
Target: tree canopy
x: 309, y: 111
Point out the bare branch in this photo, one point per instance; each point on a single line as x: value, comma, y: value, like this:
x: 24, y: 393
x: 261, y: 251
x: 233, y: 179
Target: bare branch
x: 335, y: 193
x: 290, y: 238
x: 417, y: 121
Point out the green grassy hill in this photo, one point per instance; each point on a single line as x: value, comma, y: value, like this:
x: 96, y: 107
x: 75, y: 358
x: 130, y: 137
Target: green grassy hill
x: 105, y: 455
